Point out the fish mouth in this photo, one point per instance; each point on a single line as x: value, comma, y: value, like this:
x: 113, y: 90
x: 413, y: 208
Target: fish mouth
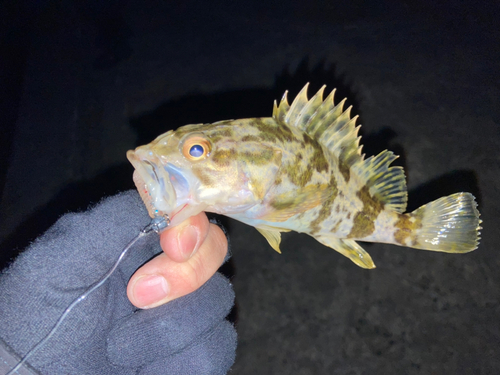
x: 153, y: 181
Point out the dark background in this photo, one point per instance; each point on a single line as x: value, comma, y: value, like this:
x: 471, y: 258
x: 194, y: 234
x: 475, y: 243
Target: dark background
x: 82, y: 84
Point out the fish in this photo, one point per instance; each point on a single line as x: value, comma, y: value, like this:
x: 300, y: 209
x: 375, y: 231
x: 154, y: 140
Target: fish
x: 302, y: 170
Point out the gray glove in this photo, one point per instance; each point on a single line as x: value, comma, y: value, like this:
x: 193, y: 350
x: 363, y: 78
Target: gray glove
x: 106, y: 334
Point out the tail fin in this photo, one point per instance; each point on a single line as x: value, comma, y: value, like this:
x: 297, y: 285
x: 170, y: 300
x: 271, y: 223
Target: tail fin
x: 449, y: 224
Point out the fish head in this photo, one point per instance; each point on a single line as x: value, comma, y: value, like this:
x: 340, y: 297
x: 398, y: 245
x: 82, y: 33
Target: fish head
x: 204, y: 167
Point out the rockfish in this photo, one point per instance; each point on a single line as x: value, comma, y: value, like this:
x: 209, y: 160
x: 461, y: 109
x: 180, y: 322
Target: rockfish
x: 300, y: 170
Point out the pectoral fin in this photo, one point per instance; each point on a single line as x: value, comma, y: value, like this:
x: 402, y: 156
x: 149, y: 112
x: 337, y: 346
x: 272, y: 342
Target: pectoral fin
x: 286, y: 205
x: 350, y: 249
x: 272, y: 236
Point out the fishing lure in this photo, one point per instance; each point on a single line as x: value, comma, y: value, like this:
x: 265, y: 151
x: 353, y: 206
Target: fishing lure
x: 300, y: 170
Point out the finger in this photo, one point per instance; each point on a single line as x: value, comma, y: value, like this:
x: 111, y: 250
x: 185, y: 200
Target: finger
x: 163, y: 279
x: 181, y: 242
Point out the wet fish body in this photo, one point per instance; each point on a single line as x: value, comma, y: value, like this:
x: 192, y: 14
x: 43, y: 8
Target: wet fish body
x: 300, y: 170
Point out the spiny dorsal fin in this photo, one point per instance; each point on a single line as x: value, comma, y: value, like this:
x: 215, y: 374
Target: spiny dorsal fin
x: 386, y: 184
x: 324, y: 121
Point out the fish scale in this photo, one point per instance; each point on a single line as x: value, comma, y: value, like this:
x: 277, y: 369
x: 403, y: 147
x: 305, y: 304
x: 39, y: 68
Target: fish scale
x: 300, y: 170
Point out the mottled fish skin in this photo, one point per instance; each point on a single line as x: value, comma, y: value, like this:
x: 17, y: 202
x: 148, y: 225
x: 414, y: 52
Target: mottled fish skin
x: 300, y: 170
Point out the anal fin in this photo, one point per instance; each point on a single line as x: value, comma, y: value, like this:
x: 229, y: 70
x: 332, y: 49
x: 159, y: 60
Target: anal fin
x: 348, y: 248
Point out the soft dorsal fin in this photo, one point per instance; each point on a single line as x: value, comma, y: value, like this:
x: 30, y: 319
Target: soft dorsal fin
x: 386, y: 184
x: 324, y: 121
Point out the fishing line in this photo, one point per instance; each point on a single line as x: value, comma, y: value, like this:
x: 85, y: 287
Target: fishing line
x: 156, y: 225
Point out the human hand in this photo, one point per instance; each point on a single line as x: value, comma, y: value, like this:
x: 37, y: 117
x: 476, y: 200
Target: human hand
x: 105, y: 333
x: 192, y: 253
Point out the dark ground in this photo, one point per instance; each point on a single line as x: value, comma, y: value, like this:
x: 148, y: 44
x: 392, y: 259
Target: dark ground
x: 86, y: 83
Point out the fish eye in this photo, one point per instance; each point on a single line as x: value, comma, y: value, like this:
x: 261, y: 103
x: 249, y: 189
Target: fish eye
x: 196, y: 148
x: 196, y: 151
